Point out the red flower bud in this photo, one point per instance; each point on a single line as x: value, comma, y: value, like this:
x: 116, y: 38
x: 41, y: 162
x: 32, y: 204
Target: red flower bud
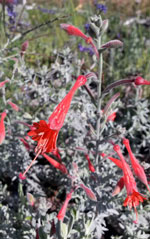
x: 3, y: 83
x: 111, y: 117
x: 140, y: 81
x: 2, y: 127
x: 119, y: 186
x: 62, y: 211
x: 72, y: 30
x: 91, y: 167
x: 14, y: 106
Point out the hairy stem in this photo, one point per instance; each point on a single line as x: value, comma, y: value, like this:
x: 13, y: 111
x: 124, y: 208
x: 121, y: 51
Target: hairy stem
x: 100, y: 67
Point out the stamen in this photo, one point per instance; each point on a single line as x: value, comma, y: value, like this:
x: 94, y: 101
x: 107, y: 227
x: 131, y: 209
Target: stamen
x: 136, y: 221
x: 22, y: 175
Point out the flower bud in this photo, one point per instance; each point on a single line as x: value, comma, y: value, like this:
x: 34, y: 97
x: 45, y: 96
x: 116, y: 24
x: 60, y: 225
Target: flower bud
x: 140, y: 81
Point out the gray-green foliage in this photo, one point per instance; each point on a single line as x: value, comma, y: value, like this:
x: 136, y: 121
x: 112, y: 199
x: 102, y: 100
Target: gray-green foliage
x: 37, y: 91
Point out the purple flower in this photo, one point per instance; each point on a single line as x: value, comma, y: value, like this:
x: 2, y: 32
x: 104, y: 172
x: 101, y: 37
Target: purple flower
x: 86, y: 49
x: 100, y: 7
x: 11, y: 13
x: 87, y: 27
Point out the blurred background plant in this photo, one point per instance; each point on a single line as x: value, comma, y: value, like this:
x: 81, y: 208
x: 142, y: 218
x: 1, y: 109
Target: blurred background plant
x: 39, y: 73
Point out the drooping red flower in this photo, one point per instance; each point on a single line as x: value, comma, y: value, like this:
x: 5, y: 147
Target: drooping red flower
x: 46, y: 133
x: 114, y: 160
x: 133, y: 196
x: 45, y: 136
x: 138, y: 170
x: 3, y: 83
x: 56, y: 164
x: 88, y: 192
x: 111, y: 117
x: 62, y: 211
x: 119, y: 186
x: 90, y: 165
x: 2, y: 127
x: 57, y: 118
x: 14, y: 106
x: 132, y: 201
x: 72, y: 30
x: 140, y: 81
x: 26, y: 144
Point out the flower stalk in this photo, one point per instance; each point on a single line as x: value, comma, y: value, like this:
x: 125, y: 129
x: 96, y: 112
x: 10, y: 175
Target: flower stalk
x: 100, y: 68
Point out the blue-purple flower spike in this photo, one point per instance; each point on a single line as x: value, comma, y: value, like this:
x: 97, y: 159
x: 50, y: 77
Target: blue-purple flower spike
x: 100, y: 7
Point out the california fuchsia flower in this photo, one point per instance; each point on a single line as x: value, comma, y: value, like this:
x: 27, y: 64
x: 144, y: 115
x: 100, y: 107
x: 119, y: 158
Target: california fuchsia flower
x: 62, y: 211
x: 56, y: 164
x: 91, y: 167
x: 140, y: 81
x: 138, y: 170
x: 57, y: 118
x: 133, y: 200
x: 133, y: 196
x: 14, y: 106
x: 26, y: 144
x: 72, y: 30
x: 2, y: 127
x: 88, y: 192
x: 111, y: 117
x: 46, y: 133
x: 119, y: 186
x: 114, y: 160
x: 3, y: 83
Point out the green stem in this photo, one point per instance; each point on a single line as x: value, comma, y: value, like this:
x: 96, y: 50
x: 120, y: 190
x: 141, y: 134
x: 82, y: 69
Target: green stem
x: 100, y: 68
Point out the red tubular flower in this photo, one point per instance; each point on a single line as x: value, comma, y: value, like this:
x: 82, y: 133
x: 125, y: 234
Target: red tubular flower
x: 57, y: 154
x: 26, y: 144
x: 133, y: 196
x: 111, y: 117
x: 140, y: 81
x: 119, y: 186
x: 3, y: 83
x: 90, y: 165
x: 72, y: 30
x: 2, y: 127
x: 57, y: 118
x: 138, y: 170
x: 133, y: 201
x: 62, y: 211
x: 46, y: 134
x: 88, y: 192
x: 14, y: 106
x: 56, y: 164
x: 114, y: 160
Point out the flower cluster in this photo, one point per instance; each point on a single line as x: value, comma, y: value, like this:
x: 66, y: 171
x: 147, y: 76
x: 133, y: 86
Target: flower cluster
x: 10, y: 10
x: 46, y: 133
x: 133, y: 198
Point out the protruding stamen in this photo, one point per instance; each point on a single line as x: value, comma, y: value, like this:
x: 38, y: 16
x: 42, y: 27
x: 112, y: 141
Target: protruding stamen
x: 22, y: 176
x: 136, y: 213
